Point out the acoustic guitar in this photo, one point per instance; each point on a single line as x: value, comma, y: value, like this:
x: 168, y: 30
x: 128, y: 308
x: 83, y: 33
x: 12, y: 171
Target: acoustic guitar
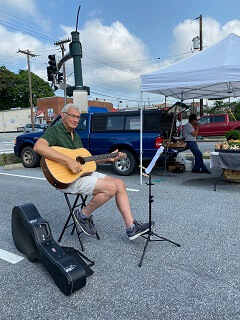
x: 60, y: 176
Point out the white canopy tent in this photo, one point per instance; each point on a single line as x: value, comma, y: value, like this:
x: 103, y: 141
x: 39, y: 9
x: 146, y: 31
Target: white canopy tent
x: 211, y: 73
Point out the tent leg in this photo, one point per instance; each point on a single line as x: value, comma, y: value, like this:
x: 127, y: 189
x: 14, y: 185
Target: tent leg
x: 141, y: 136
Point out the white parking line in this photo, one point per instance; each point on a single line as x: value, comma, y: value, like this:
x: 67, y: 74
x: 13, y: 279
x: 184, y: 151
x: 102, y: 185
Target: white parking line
x: 10, y: 257
x: 6, y: 151
x: 7, y: 142
x: 37, y: 178
x: 21, y: 176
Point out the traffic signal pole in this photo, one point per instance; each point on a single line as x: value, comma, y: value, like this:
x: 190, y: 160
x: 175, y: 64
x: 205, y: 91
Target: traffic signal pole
x: 61, y: 44
x: 79, y: 91
x: 75, y: 48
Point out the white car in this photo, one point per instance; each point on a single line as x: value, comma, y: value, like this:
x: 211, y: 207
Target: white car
x: 37, y: 127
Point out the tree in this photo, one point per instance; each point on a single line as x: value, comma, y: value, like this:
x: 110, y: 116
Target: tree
x: 233, y: 108
x: 14, y: 89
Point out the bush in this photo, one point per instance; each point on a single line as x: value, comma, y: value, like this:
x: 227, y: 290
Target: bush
x: 8, y: 159
x: 232, y: 134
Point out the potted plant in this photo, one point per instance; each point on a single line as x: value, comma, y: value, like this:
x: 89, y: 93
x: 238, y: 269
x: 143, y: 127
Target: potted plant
x: 232, y: 135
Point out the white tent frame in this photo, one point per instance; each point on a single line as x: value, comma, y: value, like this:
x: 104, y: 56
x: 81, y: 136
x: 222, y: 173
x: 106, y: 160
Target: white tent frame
x: 211, y: 73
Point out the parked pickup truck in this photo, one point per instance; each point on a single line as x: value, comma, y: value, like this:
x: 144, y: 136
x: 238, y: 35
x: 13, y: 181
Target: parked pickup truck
x: 216, y: 125
x: 105, y: 132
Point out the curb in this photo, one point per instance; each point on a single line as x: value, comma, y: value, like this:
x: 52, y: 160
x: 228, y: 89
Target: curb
x: 12, y: 166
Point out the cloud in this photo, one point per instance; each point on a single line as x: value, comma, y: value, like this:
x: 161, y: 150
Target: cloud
x: 94, y: 13
x: 15, y: 61
x: 212, y: 32
x: 24, y: 6
x: 112, y: 56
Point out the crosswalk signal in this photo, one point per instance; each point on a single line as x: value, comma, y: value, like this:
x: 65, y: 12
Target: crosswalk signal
x: 52, y: 68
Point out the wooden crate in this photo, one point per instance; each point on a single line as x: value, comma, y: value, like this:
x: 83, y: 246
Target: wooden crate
x: 175, y: 166
x: 178, y: 145
x: 232, y: 175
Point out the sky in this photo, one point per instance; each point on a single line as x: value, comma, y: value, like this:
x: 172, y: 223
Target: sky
x: 121, y: 40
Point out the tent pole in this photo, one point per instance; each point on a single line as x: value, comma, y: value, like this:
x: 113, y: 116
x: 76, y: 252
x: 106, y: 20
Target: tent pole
x: 141, y: 134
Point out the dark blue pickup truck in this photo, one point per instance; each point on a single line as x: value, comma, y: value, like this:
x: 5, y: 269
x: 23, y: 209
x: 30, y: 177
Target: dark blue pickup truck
x: 105, y: 132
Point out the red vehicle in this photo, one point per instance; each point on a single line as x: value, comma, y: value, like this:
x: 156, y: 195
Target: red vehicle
x: 216, y: 125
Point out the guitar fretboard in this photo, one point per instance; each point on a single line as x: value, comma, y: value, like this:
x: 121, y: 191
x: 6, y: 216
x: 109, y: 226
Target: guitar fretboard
x: 101, y: 157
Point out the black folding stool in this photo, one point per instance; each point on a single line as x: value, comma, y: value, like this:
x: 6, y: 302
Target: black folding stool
x: 82, y: 203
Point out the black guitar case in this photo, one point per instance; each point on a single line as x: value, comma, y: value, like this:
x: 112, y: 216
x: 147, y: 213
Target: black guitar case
x: 32, y: 236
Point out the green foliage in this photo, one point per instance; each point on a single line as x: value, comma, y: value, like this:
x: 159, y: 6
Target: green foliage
x: 237, y: 111
x: 232, y: 108
x: 8, y: 159
x: 232, y: 134
x: 14, y: 89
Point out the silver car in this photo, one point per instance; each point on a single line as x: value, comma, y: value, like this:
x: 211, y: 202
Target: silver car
x: 37, y: 127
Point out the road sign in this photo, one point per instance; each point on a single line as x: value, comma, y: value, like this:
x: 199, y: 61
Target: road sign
x: 50, y: 112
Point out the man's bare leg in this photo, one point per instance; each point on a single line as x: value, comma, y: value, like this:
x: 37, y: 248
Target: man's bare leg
x: 104, y: 190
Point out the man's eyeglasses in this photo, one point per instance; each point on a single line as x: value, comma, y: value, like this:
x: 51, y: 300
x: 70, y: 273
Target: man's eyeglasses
x: 73, y: 116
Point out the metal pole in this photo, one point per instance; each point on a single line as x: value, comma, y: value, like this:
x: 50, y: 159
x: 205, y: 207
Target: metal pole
x: 61, y: 44
x: 30, y: 92
x: 76, y: 50
x: 201, y: 47
x: 28, y: 54
x: 141, y: 137
x: 3, y: 123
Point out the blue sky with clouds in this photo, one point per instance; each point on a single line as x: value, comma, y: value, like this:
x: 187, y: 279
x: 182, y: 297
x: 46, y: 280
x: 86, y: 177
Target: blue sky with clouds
x: 121, y: 39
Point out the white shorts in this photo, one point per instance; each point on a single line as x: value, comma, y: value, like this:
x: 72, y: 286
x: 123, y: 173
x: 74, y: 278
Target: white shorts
x: 84, y: 185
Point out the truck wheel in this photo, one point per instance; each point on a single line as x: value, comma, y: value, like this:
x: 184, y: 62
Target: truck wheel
x: 29, y: 158
x: 126, y: 165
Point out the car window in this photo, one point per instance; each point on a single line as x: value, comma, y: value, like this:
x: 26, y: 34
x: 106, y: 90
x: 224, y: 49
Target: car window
x: 132, y: 123
x: 205, y: 120
x: 115, y: 123
x: 82, y: 126
x: 219, y: 118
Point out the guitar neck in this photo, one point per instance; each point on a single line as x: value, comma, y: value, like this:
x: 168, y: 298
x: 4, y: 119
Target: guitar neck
x: 101, y: 157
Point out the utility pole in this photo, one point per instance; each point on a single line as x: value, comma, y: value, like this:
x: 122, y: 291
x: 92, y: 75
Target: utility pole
x: 201, y: 47
x: 29, y: 54
x: 61, y: 44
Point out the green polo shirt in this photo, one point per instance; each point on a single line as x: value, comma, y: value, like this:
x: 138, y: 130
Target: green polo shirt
x: 58, y: 135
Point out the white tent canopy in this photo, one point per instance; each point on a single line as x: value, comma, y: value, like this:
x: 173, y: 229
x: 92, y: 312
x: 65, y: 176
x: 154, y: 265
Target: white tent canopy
x: 211, y: 73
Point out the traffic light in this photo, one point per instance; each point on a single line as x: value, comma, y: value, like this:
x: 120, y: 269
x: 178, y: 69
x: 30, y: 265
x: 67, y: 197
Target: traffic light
x: 52, y: 68
x: 69, y: 91
x: 60, y: 77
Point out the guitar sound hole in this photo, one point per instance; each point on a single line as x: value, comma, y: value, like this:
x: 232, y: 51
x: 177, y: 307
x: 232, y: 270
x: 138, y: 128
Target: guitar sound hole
x: 80, y: 160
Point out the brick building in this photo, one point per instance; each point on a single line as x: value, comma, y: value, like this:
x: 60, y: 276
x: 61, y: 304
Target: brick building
x: 52, y: 106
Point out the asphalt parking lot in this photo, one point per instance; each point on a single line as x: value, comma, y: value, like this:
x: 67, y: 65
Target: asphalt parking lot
x: 199, y: 280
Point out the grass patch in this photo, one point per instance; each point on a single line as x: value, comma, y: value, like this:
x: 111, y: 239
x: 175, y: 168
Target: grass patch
x: 8, y: 159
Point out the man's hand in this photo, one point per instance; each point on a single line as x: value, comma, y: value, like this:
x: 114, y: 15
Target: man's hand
x: 74, y: 166
x: 120, y: 155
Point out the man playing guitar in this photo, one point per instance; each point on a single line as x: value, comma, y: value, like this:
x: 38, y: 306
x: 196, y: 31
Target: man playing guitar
x: 100, y: 186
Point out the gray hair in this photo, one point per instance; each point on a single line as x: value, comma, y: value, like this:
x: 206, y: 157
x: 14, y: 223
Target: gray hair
x: 70, y: 105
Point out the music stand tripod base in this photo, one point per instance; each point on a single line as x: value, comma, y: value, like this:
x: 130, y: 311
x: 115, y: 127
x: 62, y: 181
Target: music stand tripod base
x: 149, y: 234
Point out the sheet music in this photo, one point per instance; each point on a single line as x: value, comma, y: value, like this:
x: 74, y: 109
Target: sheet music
x: 154, y: 160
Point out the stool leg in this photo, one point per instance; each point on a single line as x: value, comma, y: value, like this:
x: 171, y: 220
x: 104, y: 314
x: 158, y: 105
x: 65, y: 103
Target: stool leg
x: 64, y: 228
x: 71, y: 208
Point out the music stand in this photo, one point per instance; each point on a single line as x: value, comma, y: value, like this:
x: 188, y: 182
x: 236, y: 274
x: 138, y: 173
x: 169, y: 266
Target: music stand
x: 150, y: 233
